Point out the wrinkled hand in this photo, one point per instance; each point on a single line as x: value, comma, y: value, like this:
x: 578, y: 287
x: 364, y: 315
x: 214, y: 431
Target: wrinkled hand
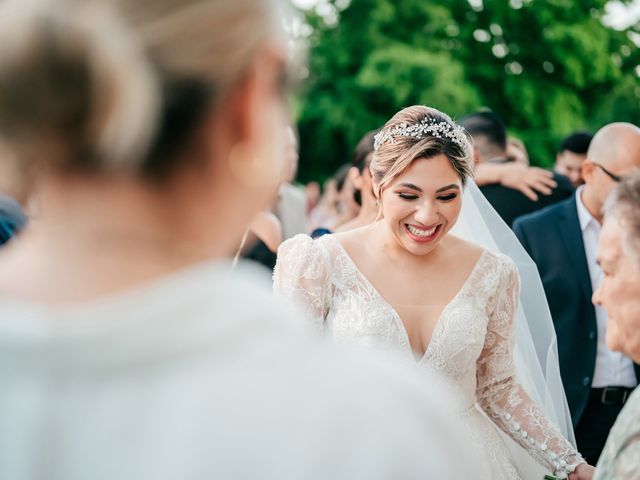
x: 583, y: 471
x: 527, y: 180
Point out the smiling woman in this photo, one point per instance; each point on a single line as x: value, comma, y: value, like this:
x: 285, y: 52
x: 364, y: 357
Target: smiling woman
x: 619, y: 256
x: 405, y: 282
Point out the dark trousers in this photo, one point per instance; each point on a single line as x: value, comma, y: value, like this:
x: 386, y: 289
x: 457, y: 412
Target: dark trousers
x: 596, y: 422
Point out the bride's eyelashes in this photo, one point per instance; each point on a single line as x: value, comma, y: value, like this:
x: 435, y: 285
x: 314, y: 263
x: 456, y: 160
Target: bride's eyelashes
x: 443, y: 198
x: 448, y: 198
x: 407, y: 196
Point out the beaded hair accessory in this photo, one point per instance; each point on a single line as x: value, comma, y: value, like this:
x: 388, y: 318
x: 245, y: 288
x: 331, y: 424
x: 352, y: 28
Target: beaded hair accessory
x: 427, y: 126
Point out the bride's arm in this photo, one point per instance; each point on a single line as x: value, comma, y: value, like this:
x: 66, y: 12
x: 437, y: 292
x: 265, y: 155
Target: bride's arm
x: 302, y: 276
x: 502, y: 397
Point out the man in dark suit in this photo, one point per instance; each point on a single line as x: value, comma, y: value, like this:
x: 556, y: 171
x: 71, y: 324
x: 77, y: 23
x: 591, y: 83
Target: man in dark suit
x: 562, y: 240
x: 490, y: 152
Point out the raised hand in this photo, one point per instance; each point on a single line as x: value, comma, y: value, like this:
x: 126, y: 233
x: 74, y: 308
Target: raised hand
x: 527, y: 180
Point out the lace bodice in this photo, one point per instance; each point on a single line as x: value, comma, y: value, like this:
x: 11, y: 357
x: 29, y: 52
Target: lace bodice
x: 471, y: 342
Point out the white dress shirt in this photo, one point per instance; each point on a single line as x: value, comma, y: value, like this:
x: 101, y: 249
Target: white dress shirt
x: 612, y: 368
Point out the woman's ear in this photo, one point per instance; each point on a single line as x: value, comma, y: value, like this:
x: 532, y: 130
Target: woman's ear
x: 476, y: 155
x: 245, y: 104
x: 256, y: 119
x: 376, y: 191
x: 355, y: 177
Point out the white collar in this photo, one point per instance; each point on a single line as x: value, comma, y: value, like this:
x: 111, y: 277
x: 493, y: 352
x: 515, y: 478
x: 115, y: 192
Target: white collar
x: 584, y: 216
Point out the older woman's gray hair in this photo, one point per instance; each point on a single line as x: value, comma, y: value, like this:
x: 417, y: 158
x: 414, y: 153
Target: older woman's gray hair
x: 624, y: 204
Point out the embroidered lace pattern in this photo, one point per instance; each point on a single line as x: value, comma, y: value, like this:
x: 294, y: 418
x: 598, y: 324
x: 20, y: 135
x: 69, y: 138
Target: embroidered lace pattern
x: 471, y: 342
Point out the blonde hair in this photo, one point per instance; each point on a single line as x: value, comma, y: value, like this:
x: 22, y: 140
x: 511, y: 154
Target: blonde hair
x: 121, y: 85
x: 392, y: 158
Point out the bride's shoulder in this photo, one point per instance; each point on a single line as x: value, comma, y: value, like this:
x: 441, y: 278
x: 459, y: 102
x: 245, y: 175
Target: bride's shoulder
x: 303, y: 249
x: 353, y: 236
x: 502, y: 263
x: 466, y: 249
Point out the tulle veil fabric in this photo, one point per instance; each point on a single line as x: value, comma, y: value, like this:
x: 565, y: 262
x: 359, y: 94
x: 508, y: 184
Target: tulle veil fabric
x: 535, y: 346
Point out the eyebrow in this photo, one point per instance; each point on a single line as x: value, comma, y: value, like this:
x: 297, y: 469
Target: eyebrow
x: 442, y: 189
x: 448, y: 187
x: 411, y: 186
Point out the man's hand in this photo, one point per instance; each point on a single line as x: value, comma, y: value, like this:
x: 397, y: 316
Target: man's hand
x: 527, y: 180
x: 519, y: 177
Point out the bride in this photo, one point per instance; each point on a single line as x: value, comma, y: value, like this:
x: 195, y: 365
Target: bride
x: 405, y: 282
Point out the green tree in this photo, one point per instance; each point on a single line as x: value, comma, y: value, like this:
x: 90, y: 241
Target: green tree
x: 548, y: 67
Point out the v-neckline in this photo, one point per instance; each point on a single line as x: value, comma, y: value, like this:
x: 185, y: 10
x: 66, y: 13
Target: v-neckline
x: 394, y: 312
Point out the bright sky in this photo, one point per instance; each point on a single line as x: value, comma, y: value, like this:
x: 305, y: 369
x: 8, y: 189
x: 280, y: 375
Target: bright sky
x: 618, y: 16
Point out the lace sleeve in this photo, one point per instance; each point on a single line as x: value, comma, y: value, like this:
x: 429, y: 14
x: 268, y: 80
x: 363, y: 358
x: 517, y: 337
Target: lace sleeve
x: 500, y: 395
x: 302, y: 276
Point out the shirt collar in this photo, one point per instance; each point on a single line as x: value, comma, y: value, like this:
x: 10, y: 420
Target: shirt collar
x: 584, y: 216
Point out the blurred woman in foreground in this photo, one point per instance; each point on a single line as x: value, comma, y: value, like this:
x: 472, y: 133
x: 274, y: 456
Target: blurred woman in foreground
x: 128, y: 349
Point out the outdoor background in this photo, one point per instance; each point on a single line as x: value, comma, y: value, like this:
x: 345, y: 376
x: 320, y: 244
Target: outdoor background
x: 549, y: 67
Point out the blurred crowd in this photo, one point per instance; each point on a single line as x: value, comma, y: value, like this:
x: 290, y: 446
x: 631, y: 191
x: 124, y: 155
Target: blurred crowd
x: 346, y: 201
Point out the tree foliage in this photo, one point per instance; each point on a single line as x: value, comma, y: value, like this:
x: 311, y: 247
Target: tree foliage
x: 548, y: 67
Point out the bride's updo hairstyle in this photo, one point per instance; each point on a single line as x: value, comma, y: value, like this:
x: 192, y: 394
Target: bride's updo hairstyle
x: 419, y: 132
x: 119, y: 86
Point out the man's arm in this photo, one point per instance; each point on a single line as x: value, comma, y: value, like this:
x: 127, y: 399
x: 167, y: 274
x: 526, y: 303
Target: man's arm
x: 519, y: 177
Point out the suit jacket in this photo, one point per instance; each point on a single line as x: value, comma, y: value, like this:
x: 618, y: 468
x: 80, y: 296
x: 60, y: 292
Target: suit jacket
x: 510, y: 203
x: 553, y: 239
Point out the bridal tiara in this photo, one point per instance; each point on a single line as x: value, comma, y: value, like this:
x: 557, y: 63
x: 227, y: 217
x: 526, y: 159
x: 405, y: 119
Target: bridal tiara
x: 427, y: 126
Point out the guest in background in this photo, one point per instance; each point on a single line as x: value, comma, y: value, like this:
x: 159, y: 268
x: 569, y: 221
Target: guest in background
x: 490, y: 155
x: 12, y: 219
x: 262, y: 239
x: 348, y: 207
x: 345, y: 208
x: 313, y: 195
x: 563, y: 240
x: 15, y: 196
x: 360, y: 176
x: 618, y: 294
x: 516, y: 151
x: 327, y: 208
x: 291, y: 208
x: 571, y: 155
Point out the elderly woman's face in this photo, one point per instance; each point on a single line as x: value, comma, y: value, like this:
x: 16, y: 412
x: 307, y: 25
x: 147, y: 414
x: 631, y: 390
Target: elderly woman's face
x: 619, y: 290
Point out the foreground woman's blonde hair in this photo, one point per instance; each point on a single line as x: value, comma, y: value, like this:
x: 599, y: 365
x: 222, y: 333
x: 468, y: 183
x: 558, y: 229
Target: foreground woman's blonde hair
x: 118, y: 86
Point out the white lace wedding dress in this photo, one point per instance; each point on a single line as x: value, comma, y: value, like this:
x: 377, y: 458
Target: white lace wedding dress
x: 470, y: 344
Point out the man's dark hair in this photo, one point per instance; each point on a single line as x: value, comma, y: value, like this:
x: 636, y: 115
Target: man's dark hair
x: 489, y: 125
x: 577, y: 142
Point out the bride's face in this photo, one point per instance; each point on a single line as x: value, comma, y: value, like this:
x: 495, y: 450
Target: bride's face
x: 422, y: 204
